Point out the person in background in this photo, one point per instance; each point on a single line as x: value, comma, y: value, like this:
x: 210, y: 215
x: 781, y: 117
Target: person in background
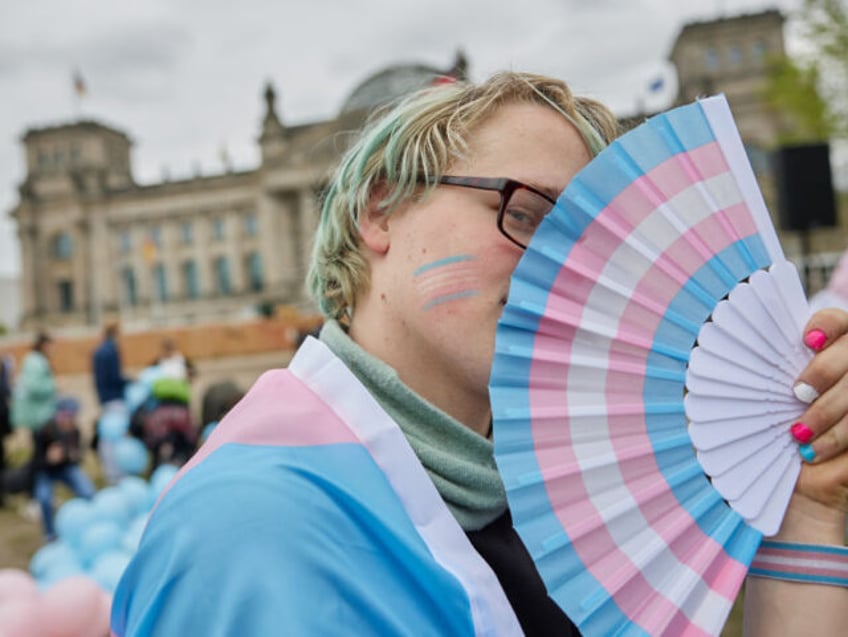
x: 56, y: 458
x: 356, y: 492
x: 109, y: 381
x: 7, y: 379
x: 34, y: 394
x: 172, y: 364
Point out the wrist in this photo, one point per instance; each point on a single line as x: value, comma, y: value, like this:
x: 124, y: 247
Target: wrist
x: 811, y: 522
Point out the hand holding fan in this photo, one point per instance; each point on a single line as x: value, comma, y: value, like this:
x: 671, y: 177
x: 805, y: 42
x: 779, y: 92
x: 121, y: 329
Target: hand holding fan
x: 655, y: 294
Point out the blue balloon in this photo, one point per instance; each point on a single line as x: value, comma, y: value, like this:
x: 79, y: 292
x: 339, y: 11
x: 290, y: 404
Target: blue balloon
x: 73, y: 518
x: 130, y: 455
x: 160, y: 479
x: 98, y: 538
x: 114, y: 423
x: 52, y: 556
x: 113, y: 504
x: 135, y: 490
x: 135, y: 394
x: 132, y: 536
x: 108, y: 568
x: 58, y: 572
x: 208, y: 429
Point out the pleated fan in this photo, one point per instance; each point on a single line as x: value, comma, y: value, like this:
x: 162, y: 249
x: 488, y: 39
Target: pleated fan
x: 642, y: 382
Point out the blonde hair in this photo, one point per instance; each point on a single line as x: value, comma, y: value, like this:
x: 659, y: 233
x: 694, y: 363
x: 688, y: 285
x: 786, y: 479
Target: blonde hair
x: 415, y: 141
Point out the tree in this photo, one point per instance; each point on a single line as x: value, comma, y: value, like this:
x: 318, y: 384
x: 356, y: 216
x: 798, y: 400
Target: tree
x: 812, y: 89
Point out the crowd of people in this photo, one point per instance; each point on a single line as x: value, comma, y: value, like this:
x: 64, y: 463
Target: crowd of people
x: 32, y: 400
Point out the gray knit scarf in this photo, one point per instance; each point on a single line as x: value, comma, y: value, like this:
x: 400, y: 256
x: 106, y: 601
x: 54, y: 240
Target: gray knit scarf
x: 459, y: 461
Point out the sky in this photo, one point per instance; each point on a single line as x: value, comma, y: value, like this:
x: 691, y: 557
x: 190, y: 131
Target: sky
x: 184, y: 78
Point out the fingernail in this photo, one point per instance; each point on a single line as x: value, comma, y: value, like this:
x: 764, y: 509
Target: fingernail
x: 807, y: 452
x: 805, y: 393
x: 801, y: 432
x: 815, y: 339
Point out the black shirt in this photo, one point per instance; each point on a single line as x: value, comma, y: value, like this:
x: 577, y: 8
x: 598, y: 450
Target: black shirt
x: 500, y: 546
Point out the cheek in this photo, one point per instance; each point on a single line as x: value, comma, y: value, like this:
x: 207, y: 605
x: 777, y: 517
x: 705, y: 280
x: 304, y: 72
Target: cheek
x: 448, y: 280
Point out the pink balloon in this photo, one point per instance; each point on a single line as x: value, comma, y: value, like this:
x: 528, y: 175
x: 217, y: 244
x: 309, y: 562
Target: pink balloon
x: 23, y: 617
x: 15, y: 583
x: 105, y: 613
x: 73, y: 608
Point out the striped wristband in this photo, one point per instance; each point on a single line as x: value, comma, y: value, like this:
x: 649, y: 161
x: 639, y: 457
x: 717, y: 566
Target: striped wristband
x: 807, y: 563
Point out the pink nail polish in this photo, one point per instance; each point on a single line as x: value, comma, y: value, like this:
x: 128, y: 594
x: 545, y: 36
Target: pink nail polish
x: 815, y: 339
x: 801, y: 432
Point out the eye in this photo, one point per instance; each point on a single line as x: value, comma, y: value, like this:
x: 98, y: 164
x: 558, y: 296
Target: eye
x: 522, y: 218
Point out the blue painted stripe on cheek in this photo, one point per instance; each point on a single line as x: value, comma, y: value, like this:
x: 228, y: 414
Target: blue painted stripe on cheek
x: 448, y: 297
x: 442, y: 262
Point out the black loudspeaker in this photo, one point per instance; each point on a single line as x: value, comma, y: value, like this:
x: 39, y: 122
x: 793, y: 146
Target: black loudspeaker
x: 805, y: 198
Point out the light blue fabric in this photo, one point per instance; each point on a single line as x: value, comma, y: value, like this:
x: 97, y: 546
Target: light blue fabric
x: 34, y: 396
x: 364, y: 571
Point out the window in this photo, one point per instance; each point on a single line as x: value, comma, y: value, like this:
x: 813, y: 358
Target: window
x: 63, y: 246
x: 251, y: 225
x: 130, y: 291
x: 734, y: 54
x: 222, y: 275
x: 156, y: 236
x: 758, y: 50
x: 218, y: 229
x: 255, y: 280
x: 66, y: 296
x: 187, y: 233
x: 191, y: 285
x: 125, y: 241
x: 711, y: 59
x: 160, y: 279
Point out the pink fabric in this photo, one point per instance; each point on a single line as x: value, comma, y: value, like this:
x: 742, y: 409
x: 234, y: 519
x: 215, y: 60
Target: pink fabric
x: 255, y: 420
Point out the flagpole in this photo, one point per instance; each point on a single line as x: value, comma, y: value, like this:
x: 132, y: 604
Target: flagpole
x: 80, y: 90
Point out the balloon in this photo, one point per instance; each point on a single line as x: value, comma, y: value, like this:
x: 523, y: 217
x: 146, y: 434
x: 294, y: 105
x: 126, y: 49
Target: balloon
x: 16, y: 583
x: 72, y: 518
x: 114, y: 423
x: 23, y: 617
x: 55, y: 556
x: 207, y: 430
x: 132, y: 536
x: 98, y: 538
x: 108, y: 568
x: 135, y: 394
x: 73, y: 608
x: 135, y: 490
x: 60, y: 571
x: 160, y: 479
x: 131, y: 455
x: 112, y: 503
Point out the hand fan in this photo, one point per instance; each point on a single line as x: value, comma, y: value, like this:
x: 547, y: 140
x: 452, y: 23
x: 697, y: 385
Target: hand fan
x: 653, y: 296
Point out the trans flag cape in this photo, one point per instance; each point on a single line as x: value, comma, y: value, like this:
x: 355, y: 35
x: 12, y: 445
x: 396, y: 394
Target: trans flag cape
x: 307, y: 513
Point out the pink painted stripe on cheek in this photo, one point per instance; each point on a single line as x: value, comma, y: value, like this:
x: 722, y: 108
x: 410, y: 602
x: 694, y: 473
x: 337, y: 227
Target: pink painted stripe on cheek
x: 446, y: 280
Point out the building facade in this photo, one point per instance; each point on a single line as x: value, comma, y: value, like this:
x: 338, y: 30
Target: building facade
x: 95, y: 245
x: 733, y: 55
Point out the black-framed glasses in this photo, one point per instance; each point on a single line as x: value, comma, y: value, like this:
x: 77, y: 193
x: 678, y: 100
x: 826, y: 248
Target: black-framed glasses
x: 522, y: 207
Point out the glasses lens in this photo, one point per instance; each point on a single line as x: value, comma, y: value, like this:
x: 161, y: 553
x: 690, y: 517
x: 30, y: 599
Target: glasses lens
x: 523, y: 213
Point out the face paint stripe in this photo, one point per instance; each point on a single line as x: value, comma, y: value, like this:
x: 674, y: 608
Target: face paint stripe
x: 442, y: 262
x: 460, y: 279
x: 448, y: 297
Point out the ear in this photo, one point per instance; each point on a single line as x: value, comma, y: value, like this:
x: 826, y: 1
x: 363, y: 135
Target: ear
x: 374, y: 223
